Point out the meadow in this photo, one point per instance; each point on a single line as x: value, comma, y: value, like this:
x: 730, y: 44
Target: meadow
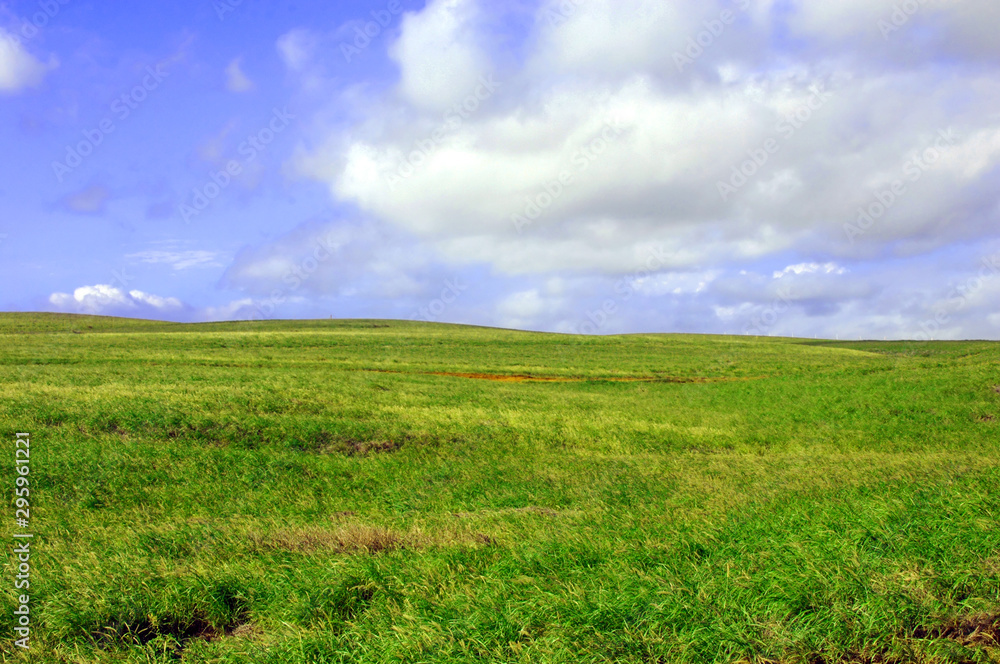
x: 387, y: 491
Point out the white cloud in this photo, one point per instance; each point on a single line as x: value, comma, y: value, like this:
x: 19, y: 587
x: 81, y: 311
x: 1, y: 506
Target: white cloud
x: 657, y: 180
x: 18, y: 68
x: 824, y: 123
x: 236, y: 80
x: 155, y: 301
x: 521, y: 309
x: 105, y: 299
x: 438, y: 53
x: 613, y: 38
x: 810, y: 268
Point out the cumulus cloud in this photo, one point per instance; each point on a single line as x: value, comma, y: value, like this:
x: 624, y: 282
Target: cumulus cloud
x: 674, y: 168
x: 438, y: 53
x: 110, y: 300
x: 18, y: 68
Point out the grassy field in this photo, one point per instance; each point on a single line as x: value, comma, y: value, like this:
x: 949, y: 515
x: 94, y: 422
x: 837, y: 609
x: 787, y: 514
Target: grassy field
x: 384, y: 491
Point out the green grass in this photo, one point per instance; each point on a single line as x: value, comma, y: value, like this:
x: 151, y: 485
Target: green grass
x: 315, y: 491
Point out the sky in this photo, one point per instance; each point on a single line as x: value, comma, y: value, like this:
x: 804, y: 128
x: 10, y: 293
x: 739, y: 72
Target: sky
x: 766, y: 167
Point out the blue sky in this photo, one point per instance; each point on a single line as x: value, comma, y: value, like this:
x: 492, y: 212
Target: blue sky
x: 784, y: 167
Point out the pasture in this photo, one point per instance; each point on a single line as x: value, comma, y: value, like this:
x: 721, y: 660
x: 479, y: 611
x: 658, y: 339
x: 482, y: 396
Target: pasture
x: 387, y: 491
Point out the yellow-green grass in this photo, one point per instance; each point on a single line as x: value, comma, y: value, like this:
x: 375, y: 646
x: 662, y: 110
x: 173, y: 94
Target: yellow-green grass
x: 321, y: 491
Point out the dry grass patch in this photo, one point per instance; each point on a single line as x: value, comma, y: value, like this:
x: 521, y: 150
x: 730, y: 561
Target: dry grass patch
x: 353, y: 447
x: 978, y: 630
x: 530, y: 509
x: 352, y: 538
x: 362, y: 538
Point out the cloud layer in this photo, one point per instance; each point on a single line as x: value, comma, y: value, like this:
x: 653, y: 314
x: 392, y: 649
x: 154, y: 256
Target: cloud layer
x: 765, y: 167
x: 716, y: 136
